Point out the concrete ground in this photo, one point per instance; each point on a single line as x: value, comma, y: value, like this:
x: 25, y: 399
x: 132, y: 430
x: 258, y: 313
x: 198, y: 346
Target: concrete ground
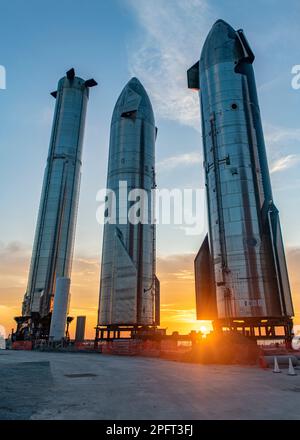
x: 93, y: 386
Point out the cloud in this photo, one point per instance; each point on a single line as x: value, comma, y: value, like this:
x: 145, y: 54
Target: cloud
x: 14, y: 265
x: 176, y: 267
x: 173, y: 32
x: 281, y: 135
x: 46, y: 116
x: 270, y: 84
x: 284, y: 163
x: 85, y: 267
x: 185, y: 159
x: 14, y: 248
x: 283, y: 146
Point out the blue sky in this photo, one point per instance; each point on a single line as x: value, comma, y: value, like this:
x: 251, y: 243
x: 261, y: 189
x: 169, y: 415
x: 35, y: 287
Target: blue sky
x: 157, y: 40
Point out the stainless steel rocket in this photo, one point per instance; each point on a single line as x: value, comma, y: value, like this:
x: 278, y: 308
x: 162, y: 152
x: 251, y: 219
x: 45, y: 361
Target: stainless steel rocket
x: 241, y: 269
x: 129, y: 289
x: 54, y: 238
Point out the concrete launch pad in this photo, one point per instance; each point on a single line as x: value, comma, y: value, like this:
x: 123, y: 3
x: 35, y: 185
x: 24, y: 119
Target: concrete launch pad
x: 57, y: 386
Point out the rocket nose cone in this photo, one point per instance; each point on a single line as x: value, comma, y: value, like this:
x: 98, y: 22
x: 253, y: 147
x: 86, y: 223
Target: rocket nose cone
x: 220, y: 45
x: 134, y: 98
x: 134, y: 80
x: 223, y: 23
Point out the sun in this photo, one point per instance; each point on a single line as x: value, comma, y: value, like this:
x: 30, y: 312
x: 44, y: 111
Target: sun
x: 205, y: 327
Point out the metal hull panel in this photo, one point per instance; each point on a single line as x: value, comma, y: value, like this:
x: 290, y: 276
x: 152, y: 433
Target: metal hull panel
x: 54, y: 238
x: 127, y: 289
x: 248, y: 260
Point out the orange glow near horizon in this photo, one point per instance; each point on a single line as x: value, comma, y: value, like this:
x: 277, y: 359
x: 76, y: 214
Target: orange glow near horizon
x: 177, y: 293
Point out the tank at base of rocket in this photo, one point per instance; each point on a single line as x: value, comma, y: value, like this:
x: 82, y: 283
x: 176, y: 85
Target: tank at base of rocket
x: 60, y: 310
x: 80, y: 328
x: 52, y: 253
x: 241, y: 270
x: 129, y: 288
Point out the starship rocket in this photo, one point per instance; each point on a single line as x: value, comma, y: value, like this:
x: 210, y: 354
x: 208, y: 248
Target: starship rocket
x: 129, y: 288
x: 54, y: 238
x: 240, y: 269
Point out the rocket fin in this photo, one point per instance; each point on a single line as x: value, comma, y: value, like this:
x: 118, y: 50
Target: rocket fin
x: 193, y: 77
x: 71, y: 74
x: 90, y: 83
x: 206, y: 303
x: 280, y: 262
x: 124, y: 292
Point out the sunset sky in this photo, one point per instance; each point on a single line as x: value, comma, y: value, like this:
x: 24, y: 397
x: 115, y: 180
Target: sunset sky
x: 157, y: 41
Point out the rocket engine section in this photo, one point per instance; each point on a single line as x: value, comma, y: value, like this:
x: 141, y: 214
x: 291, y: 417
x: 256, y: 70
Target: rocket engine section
x: 249, y: 273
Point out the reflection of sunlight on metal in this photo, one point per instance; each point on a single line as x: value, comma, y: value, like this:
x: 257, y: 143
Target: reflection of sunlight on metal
x: 205, y: 327
x: 296, y: 330
x: 2, y: 337
x: 203, y: 330
x: 223, y: 348
x: 296, y: 343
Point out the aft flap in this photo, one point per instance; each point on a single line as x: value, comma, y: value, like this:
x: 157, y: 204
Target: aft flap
x: 206, y: 303
x: 125, y: 285
x: 280, y: 262
x: 193, y: 77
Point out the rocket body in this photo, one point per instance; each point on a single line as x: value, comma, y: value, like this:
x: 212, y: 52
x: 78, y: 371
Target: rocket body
x: 128, y: 286
x: 246, y: 266
x: 54, y: 238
